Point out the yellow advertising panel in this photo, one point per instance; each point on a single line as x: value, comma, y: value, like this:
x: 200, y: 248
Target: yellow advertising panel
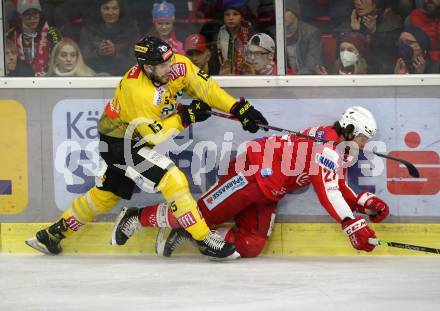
x: 13, y: 158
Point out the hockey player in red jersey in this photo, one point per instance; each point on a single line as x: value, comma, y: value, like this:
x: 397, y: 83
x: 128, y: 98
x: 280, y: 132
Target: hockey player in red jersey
x: 271, y: 167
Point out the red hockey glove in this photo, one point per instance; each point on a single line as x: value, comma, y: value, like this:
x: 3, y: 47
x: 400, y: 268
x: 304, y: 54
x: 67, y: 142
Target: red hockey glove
x: 359, y: 233
x: 371, y: 205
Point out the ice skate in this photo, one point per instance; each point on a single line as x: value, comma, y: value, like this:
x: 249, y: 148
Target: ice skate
x: 216, y: 248
x: 174, y: 240
x: 127, y: 223
x: 47, y: 241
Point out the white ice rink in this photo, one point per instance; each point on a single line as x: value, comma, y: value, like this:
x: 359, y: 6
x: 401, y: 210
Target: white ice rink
x: 36, y: 282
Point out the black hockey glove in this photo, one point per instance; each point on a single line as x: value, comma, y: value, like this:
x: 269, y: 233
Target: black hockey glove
x: 248, y: 115
x: 195, y: 112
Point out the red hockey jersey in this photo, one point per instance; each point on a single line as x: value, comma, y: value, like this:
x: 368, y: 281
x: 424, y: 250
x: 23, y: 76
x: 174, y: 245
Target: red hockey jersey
x: 285, y: 163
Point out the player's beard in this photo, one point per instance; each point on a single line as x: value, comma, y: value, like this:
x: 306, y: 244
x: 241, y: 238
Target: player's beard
x: 157, y: 79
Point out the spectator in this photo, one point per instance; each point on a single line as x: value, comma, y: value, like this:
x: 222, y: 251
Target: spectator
x: 427, y: 18
x: 260, y: 53
x: 66, y: 61
x: 382, y: 26
x: 140, y: 11
x: 303, y: 41
x: 14, y: 66
x: 107, y: 43
x: 9, y: 15
x: 353, y: 47
x: 33, y: 37
x: 232, y: 39
x: 70, y: 15
x: 163, y: 25
x: 197, y: 51
x: 413, y: 52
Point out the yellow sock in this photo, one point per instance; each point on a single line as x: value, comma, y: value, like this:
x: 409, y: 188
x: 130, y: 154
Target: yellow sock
x: 175, y: 189
x: 85, y: 208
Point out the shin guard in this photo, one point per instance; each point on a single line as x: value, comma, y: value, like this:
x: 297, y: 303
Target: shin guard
x: 175, y: 189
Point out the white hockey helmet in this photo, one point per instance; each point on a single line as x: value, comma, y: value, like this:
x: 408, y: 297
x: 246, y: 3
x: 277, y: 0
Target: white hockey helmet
x: 361, y: 119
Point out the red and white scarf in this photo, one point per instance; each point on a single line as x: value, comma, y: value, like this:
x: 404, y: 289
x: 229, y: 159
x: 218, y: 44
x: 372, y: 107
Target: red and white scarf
x: 232, y: 48
x: 40, y: 49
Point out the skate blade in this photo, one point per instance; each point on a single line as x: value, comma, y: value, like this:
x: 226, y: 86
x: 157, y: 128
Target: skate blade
x: 118, y: 220
x: 35, y: 244
x: 160, y: 242
x: 231, y: 257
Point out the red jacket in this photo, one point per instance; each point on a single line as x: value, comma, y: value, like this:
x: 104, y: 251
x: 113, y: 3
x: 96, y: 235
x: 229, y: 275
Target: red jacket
x: 430, y: 25
x: 289, y: 162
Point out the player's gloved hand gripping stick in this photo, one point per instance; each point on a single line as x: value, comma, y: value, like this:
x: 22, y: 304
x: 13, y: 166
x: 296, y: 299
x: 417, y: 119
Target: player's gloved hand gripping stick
x: 412, y: 170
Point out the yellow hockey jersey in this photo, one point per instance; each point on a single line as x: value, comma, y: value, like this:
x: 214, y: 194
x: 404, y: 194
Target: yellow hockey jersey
x: 151, y: 110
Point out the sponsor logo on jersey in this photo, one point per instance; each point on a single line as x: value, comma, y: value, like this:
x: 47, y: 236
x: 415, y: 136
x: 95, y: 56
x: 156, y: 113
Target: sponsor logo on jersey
x: 325, y: 162
x: 73, y: 223
x: 178, y: 70
x: 320, y: 135
x: 186, y: 220
x: 266, y: 172
x: 159, y: 92
x: 134, y: 72
x: 112, y: 109
x: 225, y: 191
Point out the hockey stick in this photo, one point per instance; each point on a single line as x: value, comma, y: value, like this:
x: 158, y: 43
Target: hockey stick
x: 404, y: 246
x: 412, y: 170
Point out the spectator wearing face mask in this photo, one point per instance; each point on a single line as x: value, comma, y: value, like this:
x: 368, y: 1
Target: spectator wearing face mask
x: 353, y: 47
x: 427, y: 18
x: 413, y: 51
x: 382, y: 26
x: 33, y: 36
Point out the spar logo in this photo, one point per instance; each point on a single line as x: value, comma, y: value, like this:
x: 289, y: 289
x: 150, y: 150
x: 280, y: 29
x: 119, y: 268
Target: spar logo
x: 226, y: 190
x: 427, y: 162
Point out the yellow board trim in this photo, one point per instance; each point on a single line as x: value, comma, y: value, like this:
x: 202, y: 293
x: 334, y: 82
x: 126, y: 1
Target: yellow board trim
x: 292, y: 239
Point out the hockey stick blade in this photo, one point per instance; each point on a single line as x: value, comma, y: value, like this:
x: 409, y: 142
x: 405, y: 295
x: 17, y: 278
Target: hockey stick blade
x: 412, y: 170
x: 404, y: 246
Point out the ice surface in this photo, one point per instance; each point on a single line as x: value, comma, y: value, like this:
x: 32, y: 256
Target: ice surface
x: 35, y: 282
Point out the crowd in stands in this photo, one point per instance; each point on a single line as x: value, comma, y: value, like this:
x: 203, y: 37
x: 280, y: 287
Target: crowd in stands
x: 223, y: 37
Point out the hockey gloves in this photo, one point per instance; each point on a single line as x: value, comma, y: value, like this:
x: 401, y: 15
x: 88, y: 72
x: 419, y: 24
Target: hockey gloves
x: 195, y: 112
x: 369, y: 204
x: 359, y: 233
x: 248, y: 115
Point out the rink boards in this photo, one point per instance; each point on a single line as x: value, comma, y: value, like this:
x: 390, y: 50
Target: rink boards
x: 287, y: 239
x: 49, y: 122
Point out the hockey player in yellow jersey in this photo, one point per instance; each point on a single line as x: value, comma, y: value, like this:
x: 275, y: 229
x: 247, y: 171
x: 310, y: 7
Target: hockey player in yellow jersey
x: 143, y: 113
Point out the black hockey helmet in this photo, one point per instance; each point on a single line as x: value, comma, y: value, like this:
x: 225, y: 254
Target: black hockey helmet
x: 152, y: 51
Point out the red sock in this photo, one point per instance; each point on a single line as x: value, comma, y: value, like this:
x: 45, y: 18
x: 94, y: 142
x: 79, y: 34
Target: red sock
x: 158, y: 216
